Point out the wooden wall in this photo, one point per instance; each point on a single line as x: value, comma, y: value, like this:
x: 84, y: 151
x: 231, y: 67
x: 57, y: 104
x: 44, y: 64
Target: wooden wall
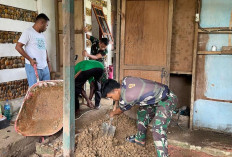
x: 183, y: 36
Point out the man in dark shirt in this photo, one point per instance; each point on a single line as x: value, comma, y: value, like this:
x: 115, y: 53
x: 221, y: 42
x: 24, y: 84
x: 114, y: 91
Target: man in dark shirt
x: 156, y: 102
x: 98, y: 48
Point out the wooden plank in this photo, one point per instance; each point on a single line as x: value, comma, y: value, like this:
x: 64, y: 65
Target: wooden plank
x: 209, y: 52
x: 60, y: 15
x: 61, y: 50
x: 200, y: 77
x: 146, y: 33
x: 215, y: 32
x: 169, y: 41
x: 183, y: 35
x: 149, y: 68
x: 79, y: 46
x: 68, y: 73
x: 150, y: 75
x: 75, y: 32
x: 181, y: 72
x: 230, y: 26
x: 194, y: 69
x: 214, y: 52
x: 142, y: 24
x: 78, y: 16
x: 57, y: 37
x: 118, y: 41
x: 123, y: 25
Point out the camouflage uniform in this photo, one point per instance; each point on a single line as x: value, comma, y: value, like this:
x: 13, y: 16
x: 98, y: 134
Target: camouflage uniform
x: 156, y: 102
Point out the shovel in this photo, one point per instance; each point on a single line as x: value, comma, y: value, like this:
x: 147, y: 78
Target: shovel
x: 108, y: 129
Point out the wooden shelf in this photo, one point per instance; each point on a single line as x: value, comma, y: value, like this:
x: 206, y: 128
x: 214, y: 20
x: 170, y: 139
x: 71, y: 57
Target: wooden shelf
x: 181, y: 72
x: 215, y: 31
x: 212, y: 53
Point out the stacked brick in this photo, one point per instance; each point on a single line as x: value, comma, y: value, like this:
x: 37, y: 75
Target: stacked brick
x: 12, y: 62
x: 17, y: 13
x: 13, y: 89
x: 9, y: 37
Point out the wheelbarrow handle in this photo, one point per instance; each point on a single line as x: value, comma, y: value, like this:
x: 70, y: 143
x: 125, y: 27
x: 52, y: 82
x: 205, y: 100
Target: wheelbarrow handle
x: 36, y: 72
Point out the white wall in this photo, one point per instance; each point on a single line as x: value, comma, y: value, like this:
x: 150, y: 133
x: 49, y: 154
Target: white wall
x: 7, y: 49
x: 47, y: 7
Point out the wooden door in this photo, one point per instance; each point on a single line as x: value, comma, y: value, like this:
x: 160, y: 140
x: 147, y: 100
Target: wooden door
x: 146, y: 28
x: 78, y: 27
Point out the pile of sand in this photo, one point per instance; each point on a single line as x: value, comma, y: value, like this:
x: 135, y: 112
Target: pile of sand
x: 91, y: 143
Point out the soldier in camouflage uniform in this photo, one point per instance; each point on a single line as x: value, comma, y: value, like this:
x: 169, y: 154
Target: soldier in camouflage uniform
x: 155, y: 101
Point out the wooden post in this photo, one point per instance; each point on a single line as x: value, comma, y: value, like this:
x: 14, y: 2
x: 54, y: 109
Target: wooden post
x: 169, y: 40
x: 194, y: 68
x: 118, y: 40
x: 57, y: 37
x: 68, y: 71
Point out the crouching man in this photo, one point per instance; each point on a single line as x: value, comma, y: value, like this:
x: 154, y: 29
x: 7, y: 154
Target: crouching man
x: 155, y: 100
x: 84, y: 70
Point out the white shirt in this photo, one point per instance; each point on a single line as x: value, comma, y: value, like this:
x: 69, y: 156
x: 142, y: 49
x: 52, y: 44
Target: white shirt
x: 35, y: 46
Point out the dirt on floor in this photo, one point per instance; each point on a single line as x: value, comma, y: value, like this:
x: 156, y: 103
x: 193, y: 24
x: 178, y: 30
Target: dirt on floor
x: 91, y: 143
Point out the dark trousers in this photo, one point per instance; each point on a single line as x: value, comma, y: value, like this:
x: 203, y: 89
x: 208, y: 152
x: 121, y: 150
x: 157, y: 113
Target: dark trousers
x: 82, y: 78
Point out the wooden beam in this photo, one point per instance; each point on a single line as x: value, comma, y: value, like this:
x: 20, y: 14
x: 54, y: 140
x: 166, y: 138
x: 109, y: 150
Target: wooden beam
x: 75, y: 31
x: 214, y: 52
x: 57, y: 37
x: 194, y: 67
x: 122, y: 37
x: 169, y: 40
x: 181, y: 72
x: 215, y: 32
x: 68, y: 72
x: 140, y: 67
x: 118, y: 40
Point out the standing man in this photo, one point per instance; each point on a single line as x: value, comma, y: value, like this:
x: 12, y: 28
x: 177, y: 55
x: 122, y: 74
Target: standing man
x: 35, y: 47
x: 98, y: 48
x: 83, y: 71
x: 155, y: 101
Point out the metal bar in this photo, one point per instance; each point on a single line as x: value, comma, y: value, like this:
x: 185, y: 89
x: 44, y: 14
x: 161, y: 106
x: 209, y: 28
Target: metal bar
x: 68, y: 71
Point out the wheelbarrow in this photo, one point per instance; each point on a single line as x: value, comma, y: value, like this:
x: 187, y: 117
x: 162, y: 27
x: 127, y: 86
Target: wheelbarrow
x: 41, y: 113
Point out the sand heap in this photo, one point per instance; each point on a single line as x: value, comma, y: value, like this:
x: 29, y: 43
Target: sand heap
x: 91, y: 143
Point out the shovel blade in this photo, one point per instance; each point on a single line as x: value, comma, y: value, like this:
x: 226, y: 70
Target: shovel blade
x: 108, y: 130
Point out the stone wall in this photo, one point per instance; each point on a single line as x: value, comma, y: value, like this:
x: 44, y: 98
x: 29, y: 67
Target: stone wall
x: 13, y: 89
x: 9, y: 37
x: 12, y: 62
x: 17, y: 13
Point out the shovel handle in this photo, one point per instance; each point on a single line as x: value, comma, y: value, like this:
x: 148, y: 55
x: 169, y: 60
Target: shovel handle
x: 36, y: 72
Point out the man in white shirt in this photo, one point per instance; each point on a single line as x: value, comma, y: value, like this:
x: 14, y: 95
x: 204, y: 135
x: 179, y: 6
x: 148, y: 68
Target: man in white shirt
x: 35, y: 48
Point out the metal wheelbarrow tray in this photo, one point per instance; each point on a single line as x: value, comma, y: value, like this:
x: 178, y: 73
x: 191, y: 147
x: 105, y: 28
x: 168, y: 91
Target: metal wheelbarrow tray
x: 41, y: 113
